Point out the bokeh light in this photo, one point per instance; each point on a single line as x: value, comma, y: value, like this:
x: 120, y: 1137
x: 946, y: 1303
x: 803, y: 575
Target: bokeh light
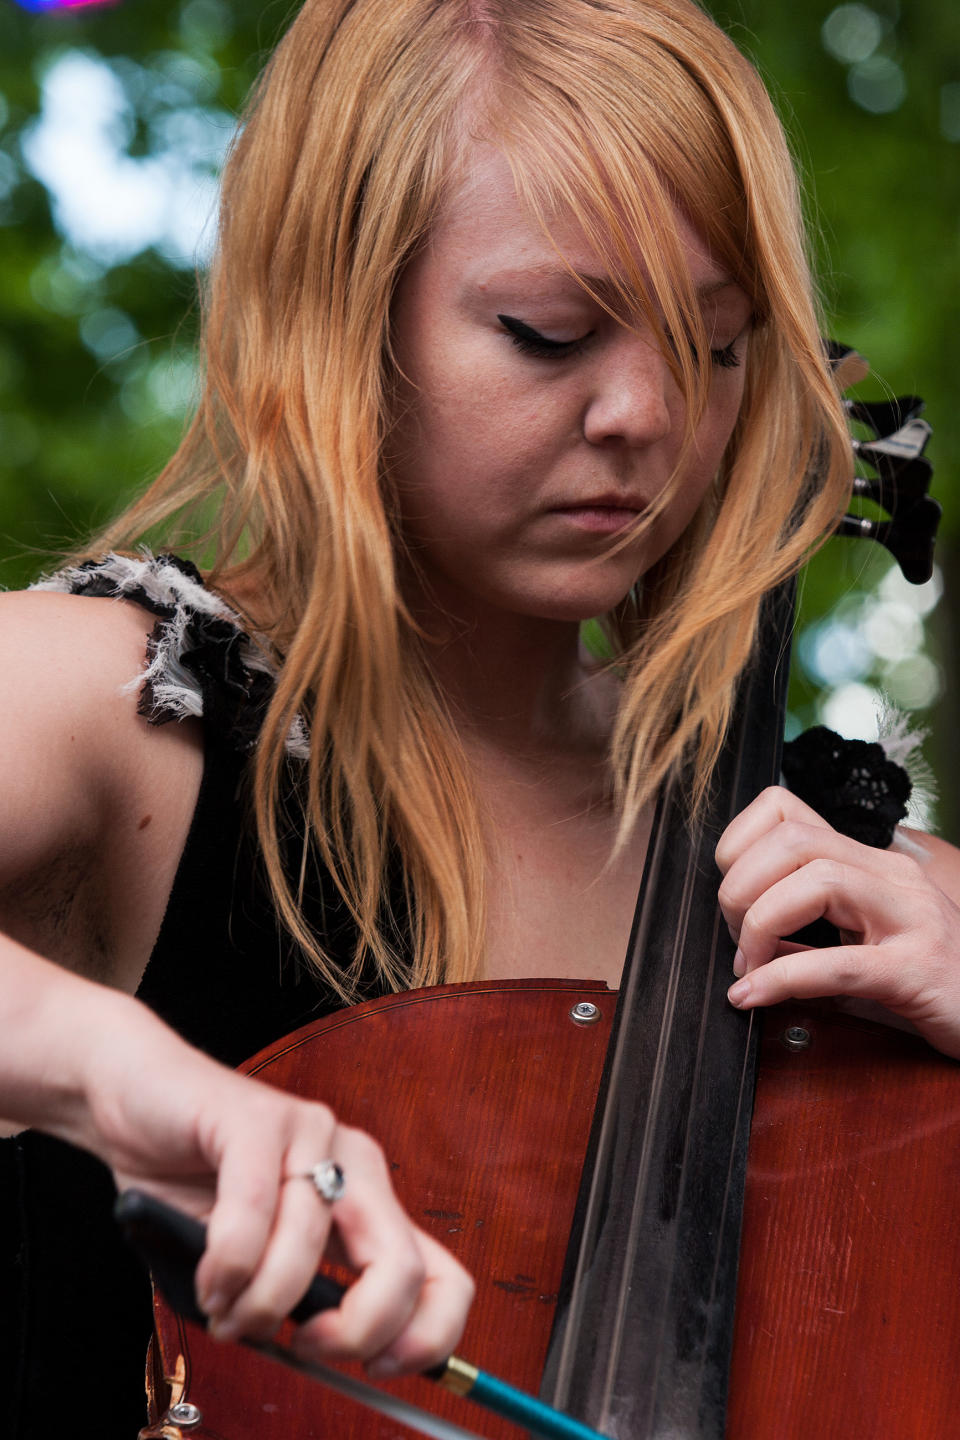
x: 44, y: 6
x: 851, y: 33
x: 950, y: 111
x: 869, y: 653
x: 877, y: 84
x: 108, y: 203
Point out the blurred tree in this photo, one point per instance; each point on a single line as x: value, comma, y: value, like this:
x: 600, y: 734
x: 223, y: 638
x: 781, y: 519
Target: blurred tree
x: 97, y: 317
x: 96, y: 341
x: 871, y: 97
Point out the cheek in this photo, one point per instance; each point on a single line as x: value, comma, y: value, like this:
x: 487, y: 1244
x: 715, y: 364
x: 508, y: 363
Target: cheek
x: 713, y: 437
x: 718, y: 424
x: 471, y: 395
x: 467, y: 434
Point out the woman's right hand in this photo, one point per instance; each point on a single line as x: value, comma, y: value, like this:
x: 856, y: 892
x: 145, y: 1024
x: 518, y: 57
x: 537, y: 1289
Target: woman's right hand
x: 97, y: 1068
x: 234, y: 1152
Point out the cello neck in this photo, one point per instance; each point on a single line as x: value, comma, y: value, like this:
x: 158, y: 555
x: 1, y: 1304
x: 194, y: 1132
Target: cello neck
x: 641, y: 1346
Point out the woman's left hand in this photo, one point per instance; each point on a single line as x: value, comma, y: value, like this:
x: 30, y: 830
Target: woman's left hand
x: 785, y: 867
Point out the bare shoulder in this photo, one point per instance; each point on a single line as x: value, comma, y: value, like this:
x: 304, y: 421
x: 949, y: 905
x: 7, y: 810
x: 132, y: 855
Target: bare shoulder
x: 80, y: 771
x: 73, y: 631
x: 70, y: 666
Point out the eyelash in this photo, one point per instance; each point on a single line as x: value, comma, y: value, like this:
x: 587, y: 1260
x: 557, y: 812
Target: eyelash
x: 531, y: 342
x: 725, y: 359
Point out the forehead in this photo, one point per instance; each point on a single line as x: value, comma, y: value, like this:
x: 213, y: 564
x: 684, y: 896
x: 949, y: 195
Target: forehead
x: 486, y: 232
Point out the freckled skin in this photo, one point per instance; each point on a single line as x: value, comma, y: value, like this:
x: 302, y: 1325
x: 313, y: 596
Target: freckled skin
x: 491, y: 442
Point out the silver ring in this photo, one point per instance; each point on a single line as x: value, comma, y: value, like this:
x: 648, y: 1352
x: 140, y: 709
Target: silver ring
x: 327, y: 1179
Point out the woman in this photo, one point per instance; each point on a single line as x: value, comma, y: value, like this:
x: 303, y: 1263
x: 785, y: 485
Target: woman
x: 510, y: 327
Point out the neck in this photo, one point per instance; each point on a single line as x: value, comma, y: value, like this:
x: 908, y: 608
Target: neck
x: 519, y: 683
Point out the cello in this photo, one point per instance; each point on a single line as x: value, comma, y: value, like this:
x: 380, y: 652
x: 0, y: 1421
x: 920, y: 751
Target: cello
x: 590, y: 1158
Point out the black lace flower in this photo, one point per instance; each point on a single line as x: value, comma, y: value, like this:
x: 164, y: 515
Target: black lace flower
x: 851, y: 783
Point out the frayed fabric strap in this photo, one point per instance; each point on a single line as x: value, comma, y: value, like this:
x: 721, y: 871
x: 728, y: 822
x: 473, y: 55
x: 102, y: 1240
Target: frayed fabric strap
x: 200, y: 660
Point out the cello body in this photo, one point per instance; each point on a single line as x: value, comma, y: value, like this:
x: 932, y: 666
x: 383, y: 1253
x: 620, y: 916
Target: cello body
x: 848, y: 1308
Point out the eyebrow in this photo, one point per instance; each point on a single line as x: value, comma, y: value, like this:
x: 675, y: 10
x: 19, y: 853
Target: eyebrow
x: 605, y: 286
x: 602, y: 284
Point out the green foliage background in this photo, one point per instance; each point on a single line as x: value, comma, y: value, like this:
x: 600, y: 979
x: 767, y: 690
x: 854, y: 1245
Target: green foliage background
x: 81, y: 427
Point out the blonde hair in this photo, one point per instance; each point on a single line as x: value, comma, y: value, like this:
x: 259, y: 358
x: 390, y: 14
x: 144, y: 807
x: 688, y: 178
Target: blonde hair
x: 619, y: 112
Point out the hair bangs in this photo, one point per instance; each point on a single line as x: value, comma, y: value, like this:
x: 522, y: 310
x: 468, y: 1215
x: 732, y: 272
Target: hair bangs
x: 626, y: 146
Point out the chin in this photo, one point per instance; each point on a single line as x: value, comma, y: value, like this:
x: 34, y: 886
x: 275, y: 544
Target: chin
x: 586, y: 600
x: 575, y: 607
x: 564, y: 594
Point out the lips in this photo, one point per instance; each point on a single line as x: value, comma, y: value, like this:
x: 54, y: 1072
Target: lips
x: 610, y: 500
x: 603, y: 515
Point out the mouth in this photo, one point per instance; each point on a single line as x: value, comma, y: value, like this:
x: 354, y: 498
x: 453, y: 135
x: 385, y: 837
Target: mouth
x: 604, y: 515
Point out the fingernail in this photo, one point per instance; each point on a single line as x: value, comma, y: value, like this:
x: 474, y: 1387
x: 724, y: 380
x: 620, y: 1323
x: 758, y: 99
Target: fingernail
x: 223, y: 1329
x: 213, y: 1303
x: 739, y: 963
x: 738, y: 994
x: 383, y: 1368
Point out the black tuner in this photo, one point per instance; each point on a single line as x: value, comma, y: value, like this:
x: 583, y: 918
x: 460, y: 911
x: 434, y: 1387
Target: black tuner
x: 901, y: 482
x: 909, y: 537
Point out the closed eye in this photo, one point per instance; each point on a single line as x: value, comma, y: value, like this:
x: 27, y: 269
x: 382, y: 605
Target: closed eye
x: 531, y: 342
x: 726, y: 357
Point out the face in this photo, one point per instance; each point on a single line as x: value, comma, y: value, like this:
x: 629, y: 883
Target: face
x: 533, y: 428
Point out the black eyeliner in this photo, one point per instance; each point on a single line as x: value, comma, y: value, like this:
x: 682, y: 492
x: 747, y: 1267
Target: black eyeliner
x: 531, y: 342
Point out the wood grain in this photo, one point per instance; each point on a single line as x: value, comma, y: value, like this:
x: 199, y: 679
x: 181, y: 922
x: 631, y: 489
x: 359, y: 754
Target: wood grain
x: 482, y: 1096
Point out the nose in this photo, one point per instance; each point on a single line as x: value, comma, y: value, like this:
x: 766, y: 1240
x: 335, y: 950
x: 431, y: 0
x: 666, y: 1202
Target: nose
x: 632, y: 397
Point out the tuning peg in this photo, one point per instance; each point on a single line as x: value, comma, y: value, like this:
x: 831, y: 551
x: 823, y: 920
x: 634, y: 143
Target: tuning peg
x: 848, y: 365
x: 902, y: 474
x: 909, y: 537
x: 885, y: 417
x: 907, y: 443
x: 898, y: 487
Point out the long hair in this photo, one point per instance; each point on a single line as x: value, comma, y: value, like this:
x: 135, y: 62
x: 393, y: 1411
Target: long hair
x: 621, y: 113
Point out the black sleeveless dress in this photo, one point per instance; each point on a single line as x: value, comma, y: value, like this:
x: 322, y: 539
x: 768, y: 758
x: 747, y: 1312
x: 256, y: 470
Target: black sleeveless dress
x: 75, y: 1313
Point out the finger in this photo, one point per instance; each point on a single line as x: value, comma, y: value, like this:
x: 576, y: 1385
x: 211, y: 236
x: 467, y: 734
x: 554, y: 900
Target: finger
x: 239, y: 1225
x: 375, y: 1308
x: 780, y: 852
x: 253, y: 1216
x: 771, y: 807
x: 857, y: 970
x: 378, y: 1305
x: 436, y: 1325
x: 849, y: 897
x: 287, y: 1265
x: 380, y: 1242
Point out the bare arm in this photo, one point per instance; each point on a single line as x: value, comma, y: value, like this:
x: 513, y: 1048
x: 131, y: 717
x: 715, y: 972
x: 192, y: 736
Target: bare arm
x: 94, y: 803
